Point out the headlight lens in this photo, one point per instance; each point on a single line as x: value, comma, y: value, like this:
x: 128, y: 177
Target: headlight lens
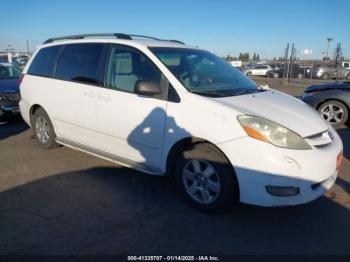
x: 270, y: 132
x: 308, y: 94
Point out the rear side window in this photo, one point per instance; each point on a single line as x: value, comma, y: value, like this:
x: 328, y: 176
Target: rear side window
x: 79, y: 63
x: 44, y: 61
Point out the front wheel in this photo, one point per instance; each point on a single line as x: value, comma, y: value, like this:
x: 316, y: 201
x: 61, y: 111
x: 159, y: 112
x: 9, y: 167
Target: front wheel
x: 205, y: 178
x: 334, y: 112
x: 43, y: 130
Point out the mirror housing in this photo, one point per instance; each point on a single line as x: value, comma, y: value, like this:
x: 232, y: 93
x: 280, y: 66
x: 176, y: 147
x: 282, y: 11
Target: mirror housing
x: 147, y: 88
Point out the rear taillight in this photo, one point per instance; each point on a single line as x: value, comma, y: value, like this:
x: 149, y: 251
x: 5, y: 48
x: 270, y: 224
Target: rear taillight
x: 21, y: 79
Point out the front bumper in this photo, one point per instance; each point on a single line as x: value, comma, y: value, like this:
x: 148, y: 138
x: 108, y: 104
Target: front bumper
x: 258, y: 164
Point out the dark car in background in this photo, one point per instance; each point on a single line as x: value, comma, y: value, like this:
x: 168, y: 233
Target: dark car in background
x: 9, y: 88
x: 332, y: 100
x: 296, y: 71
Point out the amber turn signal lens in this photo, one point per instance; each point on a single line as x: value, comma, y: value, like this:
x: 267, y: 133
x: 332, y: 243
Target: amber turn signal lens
x: 255, y: 134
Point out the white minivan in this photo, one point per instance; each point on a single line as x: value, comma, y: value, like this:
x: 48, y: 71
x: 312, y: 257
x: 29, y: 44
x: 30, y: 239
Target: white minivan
x: 165, y: 108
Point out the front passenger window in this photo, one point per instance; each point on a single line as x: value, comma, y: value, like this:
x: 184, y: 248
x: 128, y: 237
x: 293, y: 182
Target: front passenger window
x: 126, y: 66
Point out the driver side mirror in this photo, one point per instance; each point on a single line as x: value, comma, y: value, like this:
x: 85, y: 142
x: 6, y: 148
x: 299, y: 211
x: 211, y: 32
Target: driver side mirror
x: 147, y: 88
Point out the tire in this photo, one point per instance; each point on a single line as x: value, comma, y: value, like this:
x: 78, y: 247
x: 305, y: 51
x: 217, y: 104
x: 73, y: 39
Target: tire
x: 334, y: 112
x: 325, y: 76
x: 2, y: 113
x: 205, y: 178
x: 5, y: 115
x: 43, y: 130
x: 249, y: 74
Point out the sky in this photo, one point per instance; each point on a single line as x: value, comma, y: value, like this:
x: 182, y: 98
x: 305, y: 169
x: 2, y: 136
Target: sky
x: 223, y: 27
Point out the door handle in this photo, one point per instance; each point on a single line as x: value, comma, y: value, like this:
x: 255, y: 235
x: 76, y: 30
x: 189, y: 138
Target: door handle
x: 105, y: 97
x: 89, y: 93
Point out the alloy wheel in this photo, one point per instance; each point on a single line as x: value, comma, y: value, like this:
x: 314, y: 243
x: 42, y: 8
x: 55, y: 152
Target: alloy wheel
x: 42, y: 129
x: 332, y: 113
x: 201, y: 181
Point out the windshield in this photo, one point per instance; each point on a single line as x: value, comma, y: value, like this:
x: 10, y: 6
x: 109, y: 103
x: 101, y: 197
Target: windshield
x: 8, y: 71
x: 203, y: 72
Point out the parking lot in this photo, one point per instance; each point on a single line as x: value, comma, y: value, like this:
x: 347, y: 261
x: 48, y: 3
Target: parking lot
x: 66, y: 202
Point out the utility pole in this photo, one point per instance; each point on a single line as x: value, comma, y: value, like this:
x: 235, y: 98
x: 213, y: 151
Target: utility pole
x: 28, y: 47
x: 292, y: 53
x: 329, y: 40
x: 285, y: 61
x: 337, y: 57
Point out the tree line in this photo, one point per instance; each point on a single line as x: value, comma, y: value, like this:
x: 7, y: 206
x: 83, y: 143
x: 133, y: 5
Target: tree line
x: 243, y: 57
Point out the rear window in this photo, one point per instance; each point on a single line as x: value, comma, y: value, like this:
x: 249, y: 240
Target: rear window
x: 43, y: 62
x: 79, y: 63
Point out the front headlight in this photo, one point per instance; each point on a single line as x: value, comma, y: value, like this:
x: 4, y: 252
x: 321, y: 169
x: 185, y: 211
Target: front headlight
x: 270, y: 132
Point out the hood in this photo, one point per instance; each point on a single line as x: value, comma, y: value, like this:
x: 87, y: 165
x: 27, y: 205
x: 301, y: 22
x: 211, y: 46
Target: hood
x: 328, y: 86
x: 9, y: 85
x: 280, y: 108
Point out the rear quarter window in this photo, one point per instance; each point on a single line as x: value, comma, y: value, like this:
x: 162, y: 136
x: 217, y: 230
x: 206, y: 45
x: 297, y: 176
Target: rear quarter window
x: 44, y: 61
x: 79, y: 63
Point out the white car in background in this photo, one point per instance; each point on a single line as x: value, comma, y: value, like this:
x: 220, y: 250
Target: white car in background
x: 165, y: 108
x: 237, y: 64
x: 258, y: 70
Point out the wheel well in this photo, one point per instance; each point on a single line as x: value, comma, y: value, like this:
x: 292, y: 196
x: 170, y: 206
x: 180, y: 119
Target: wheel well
x: 179, y: 146
x: 32, y: 111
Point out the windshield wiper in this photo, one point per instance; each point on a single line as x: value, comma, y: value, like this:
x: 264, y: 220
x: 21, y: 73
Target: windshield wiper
x: 208, y: 93
x: 227, y: 92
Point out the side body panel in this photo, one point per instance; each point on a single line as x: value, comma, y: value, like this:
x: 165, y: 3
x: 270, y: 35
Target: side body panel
x: 131, y: 126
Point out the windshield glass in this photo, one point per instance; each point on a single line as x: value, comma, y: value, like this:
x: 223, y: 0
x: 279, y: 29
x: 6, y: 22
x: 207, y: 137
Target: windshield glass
x: 203, y: 72
x: 8, y: 71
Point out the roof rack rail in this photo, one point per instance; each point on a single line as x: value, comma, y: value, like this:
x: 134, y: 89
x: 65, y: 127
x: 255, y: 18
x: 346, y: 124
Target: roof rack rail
x: 117, y: 35
x: 154, y: 38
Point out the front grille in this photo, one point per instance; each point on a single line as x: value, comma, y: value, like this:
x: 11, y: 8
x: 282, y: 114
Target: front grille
x: 10, y: 97
x: 321, y: 139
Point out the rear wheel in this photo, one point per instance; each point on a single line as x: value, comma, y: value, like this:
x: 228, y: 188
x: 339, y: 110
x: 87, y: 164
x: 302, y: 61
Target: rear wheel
x: 43, y: 130
x: 334, y: 112
x: 205, y: 178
